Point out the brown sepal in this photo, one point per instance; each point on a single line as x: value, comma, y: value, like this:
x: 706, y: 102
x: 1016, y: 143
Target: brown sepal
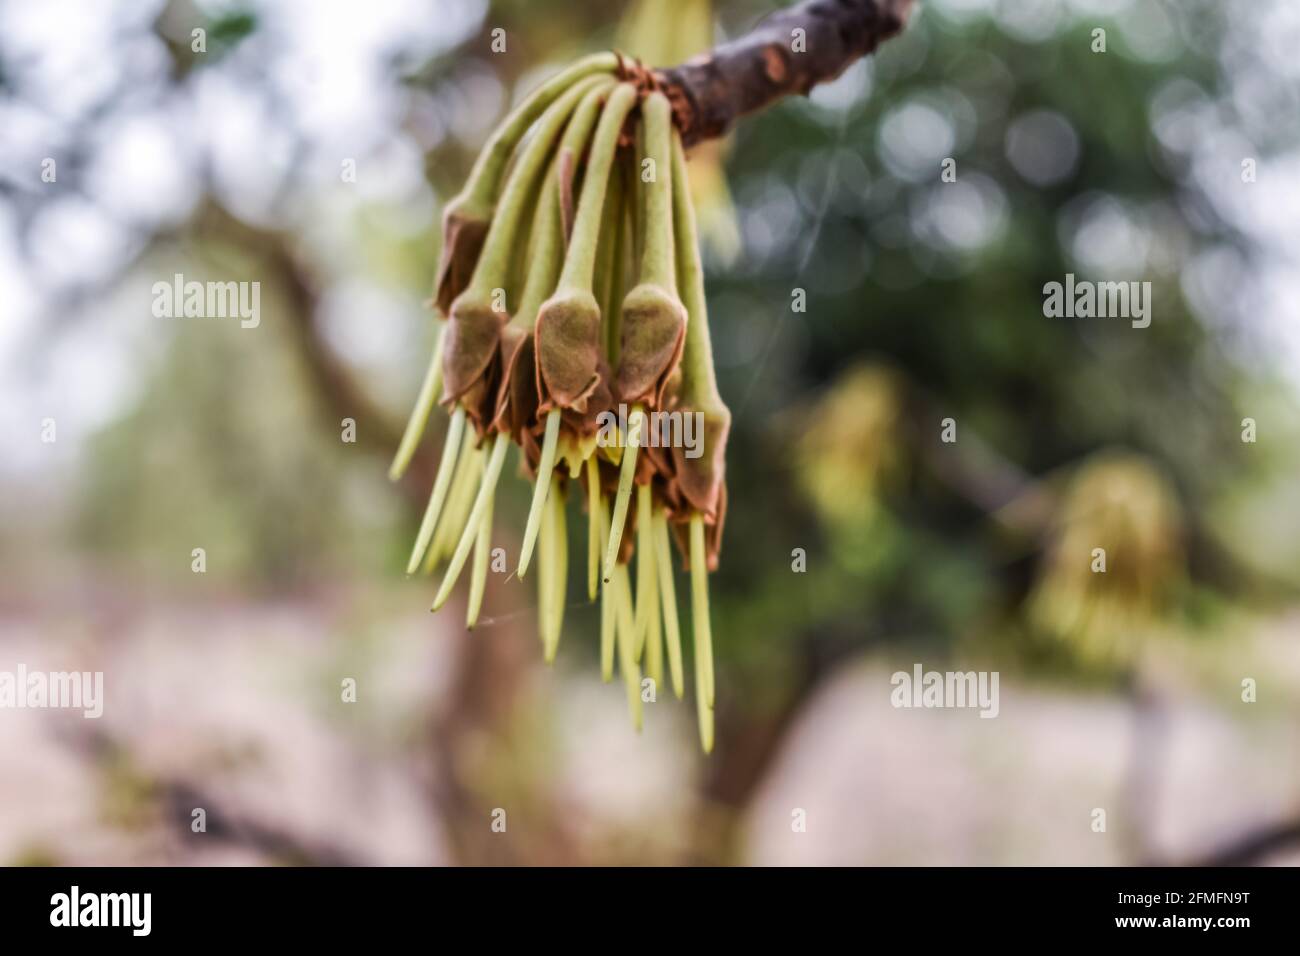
x: 516, y: 400
x: 472, y: 342
x: 463, y: 234
x: 568, y: 350
x: 653, y: 337
x: 712, y: 533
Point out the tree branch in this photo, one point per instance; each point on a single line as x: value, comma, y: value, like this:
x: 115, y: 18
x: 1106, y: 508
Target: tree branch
x: 709, y: 93
x: 341, y: 394
x: 1253, y: 847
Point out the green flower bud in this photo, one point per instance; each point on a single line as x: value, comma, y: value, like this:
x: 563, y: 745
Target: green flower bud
x: 466, y: 218
x: 568, y: 326
x: 476, y: 320
x: 654, y: 319
x: 517, y: 398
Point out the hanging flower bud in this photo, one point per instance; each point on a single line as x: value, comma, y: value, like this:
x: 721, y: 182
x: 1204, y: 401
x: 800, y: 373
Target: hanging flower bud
x: 478, y: 315
x: 698, y: 483
x: 568, y: 328
x: 466, y: 218
x: 654, y: 321
x: 517, y: 399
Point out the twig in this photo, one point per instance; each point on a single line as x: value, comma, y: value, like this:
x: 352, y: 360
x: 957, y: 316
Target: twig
x: 1254, y: 845
x: 789, y: 52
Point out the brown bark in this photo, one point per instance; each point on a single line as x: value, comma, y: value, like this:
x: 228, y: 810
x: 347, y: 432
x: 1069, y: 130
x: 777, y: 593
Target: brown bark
x: 1252, y: 848
x: 709, y: 93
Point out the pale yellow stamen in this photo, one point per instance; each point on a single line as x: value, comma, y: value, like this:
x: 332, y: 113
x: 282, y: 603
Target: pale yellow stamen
x: 608, y: 605
x: 646, y: 590
x: 468, y: 469
x: 704, y: 714
x: 544, y: 467
x: 424, y: 403
x: 559, y: 579
x: 627, y: 471
x: 668, y: 594
x: 476, y: 516
x: 545, y: 571
x: 654, y: 641
x: 700, y: 612
x: 626, y: 638
x: 478, y: 573
x: 594, y: 537
x: 446, y: 468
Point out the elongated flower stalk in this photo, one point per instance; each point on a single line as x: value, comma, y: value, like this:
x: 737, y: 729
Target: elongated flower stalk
x: 572, y: 284
x: 466, y: 218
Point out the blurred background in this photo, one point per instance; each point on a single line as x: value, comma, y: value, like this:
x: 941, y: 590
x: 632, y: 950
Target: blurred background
x: 946, y: 457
